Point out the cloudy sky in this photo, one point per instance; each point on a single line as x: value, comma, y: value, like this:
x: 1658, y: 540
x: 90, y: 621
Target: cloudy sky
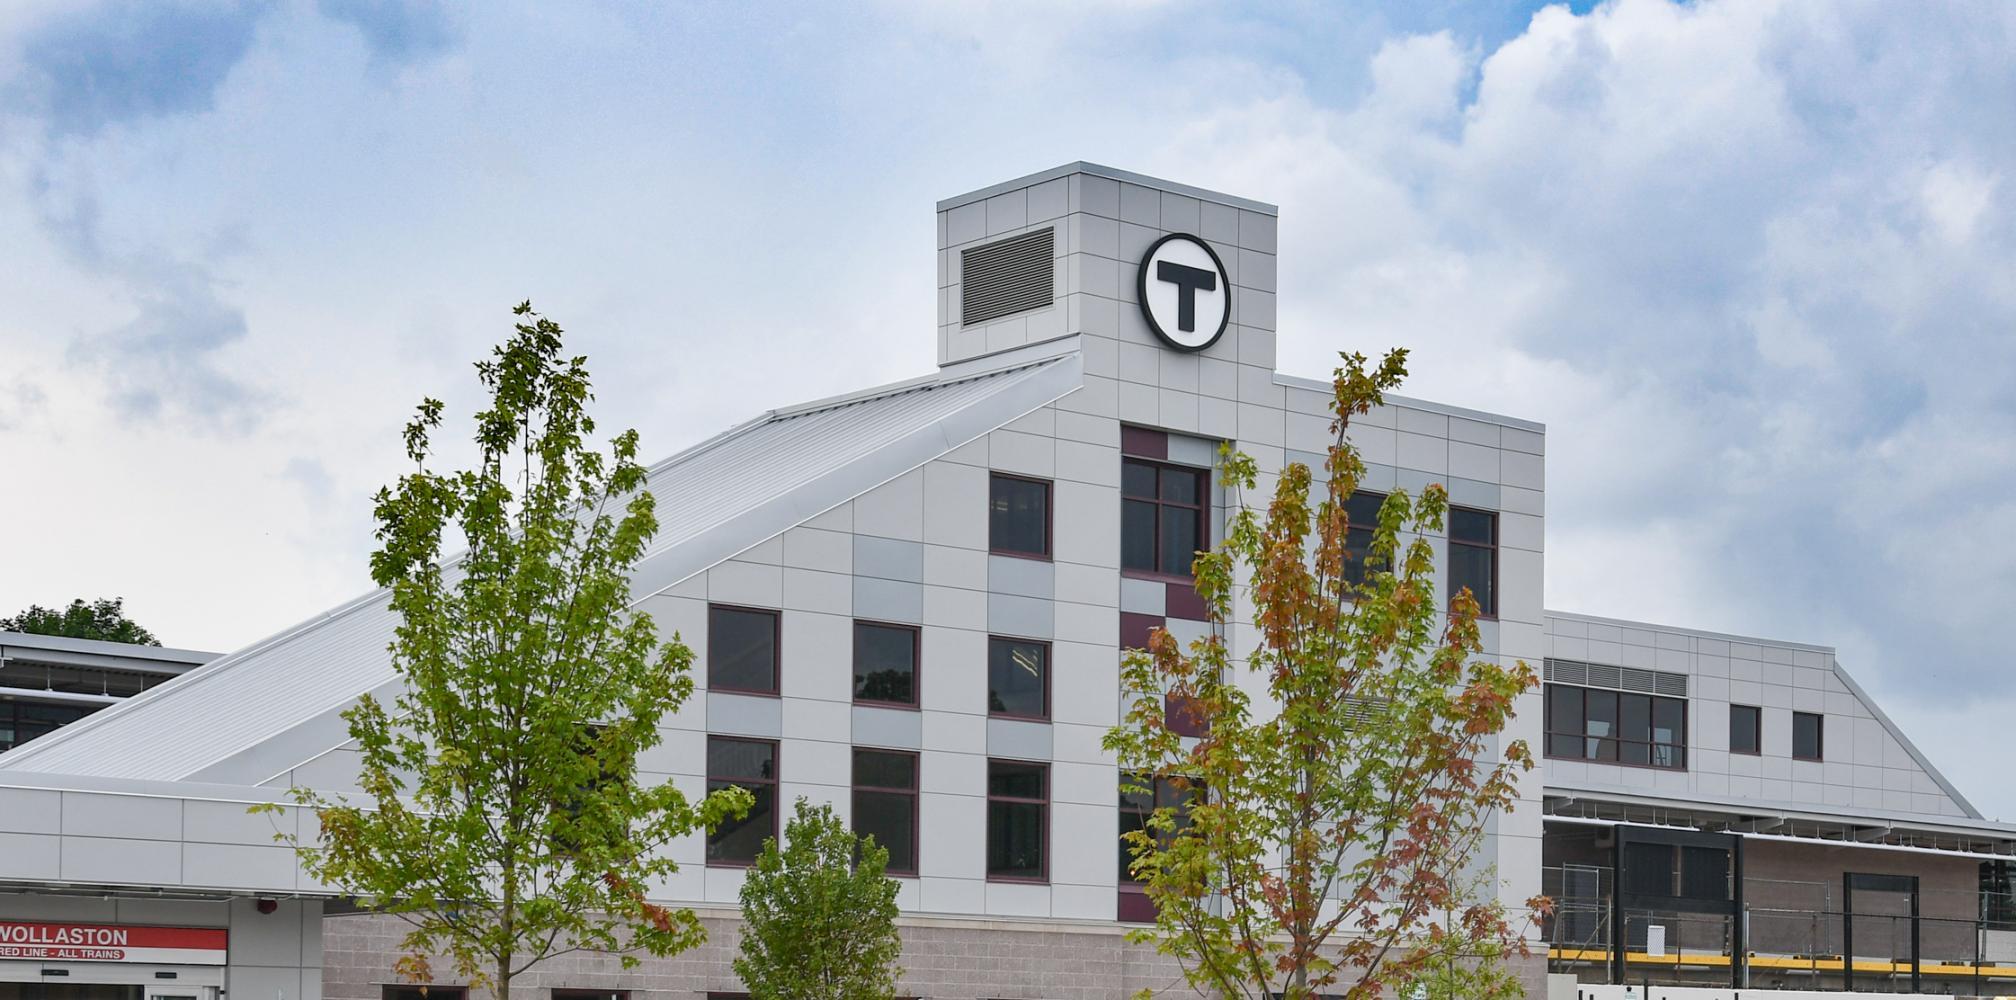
x: 1753, y: 263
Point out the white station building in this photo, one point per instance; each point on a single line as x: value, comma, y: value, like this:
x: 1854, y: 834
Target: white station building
x: 910, y: 602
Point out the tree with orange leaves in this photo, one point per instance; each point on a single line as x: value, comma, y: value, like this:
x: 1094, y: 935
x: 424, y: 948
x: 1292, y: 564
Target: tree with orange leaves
x: 1351, y: 759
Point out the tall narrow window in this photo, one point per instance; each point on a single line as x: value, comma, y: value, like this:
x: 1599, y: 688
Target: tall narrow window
x: 885, y: 804
x: 1806, y: 736
x: 1362, y: 510
x: 1140, y: 796
x: 885, y: 664
x: 1473, y: 557
x: 1018, y: 678
x: 1018, y: 516
x: 1746, y: 729
x: 1018, y: 821
x: 752, y: 765
x: 1162, y: 516
x: 741, y: 649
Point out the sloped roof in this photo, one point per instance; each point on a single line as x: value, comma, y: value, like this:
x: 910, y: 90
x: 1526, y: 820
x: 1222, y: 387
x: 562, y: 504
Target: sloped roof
x: 256, y: 712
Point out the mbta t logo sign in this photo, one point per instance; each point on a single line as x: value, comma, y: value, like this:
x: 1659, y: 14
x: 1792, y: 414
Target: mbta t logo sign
x: 1185, y: 294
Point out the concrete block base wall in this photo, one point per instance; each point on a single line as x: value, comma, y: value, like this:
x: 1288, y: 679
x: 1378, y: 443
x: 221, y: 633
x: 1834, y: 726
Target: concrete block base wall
x: 942, y: 960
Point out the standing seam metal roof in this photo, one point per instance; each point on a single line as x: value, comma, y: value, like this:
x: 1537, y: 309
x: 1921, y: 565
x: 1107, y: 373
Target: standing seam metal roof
x: 714, y: 500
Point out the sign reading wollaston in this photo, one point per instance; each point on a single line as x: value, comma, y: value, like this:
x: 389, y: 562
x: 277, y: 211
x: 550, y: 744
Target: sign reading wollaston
x: 1185, y: 294
x: 112, y: 943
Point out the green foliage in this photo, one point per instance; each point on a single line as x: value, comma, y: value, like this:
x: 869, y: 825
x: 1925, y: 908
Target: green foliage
x: 104, y: 619
x: 819, y: 924
x: 505, y: 822
x: 1343, y: 787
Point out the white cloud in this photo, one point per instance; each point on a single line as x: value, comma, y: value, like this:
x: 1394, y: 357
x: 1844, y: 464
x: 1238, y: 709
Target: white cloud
x: 1748, y: 260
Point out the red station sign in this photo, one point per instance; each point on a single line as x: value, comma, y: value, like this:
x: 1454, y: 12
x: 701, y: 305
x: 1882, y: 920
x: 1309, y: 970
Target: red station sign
x: 58, y: 942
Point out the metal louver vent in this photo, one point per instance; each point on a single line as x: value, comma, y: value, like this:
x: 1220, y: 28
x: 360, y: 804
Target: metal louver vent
x: 1007, y: 276
x: 1663, y: 682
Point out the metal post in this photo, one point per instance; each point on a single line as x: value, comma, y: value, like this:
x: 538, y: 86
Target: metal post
x: 1914, y: 934
x: 1848, y: 933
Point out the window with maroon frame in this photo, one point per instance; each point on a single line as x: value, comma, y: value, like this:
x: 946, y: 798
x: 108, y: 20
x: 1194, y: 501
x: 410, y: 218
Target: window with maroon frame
x: 1140, y: 796
x: 885, y: 664
x: 1473, y: 557
x: 741, y: 649
x: 751, y: 765
x: 1162, y: 516
x: 1807, y: 730
x: 1018, y: 678
x: 561, y: 993
x: 1018, y: 821
x: 1616, y: 727
x: 885, y: 804
x: 1018, y: 516
x: 1746, y: 729
x: 1362, y: 511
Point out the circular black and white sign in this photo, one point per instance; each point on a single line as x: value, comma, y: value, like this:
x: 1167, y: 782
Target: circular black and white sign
x: 1185, y: 294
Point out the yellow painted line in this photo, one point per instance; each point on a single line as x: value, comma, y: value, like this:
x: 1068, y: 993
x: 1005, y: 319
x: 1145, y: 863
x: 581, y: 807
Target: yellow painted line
x: 1785, y: 963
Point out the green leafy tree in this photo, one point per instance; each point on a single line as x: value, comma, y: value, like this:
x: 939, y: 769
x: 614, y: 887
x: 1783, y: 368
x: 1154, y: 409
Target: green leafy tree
x: 819, y: 917
x: 1342, y: 787
x: 505, y: 822
x: 104, y: 619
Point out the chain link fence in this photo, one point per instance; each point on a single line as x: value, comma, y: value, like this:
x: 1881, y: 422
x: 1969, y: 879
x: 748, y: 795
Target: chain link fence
x: 1795, y: 936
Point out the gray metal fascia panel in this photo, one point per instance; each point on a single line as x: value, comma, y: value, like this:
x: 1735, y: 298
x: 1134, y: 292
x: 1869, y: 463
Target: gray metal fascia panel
x: 1409, y: 402
x: 1111, y: 173
x: 1904, y: 741
x: 1929, y: 822
x: 29, y: 646
x: 1679, y: 630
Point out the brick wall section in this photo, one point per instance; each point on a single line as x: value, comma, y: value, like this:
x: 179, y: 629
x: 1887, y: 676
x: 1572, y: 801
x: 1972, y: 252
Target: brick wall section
x: 963, y: 960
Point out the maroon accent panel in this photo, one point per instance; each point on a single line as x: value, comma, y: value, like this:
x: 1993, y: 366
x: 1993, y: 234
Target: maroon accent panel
x: 1135, y: 907
x: 1134, y: 629
x: 1176, y: 712
x: 1144, y: 443
x: 1182, y: 602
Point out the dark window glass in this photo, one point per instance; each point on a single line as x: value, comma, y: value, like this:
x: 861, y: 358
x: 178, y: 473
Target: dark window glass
x: 21, y: 721
x: 1473, y: 557
x: 1137, y: 534
x: 1162, y: 523
x: 1140, y: 796
x: 1629, y: 728
x: 742, y: 650
x: 885, y: 663
x: 1746, y: 730
x: 750, y: 764
x: 1601, y: 724
x: 1806, y: 736
x: 1137, y: 479
x: 1018, y: 678
x: 1362, y: 511
x: 416, y: 992
x: 885, y: 804
x: 567, y: 994
x: 1018, y: 516
x: 1017, y: 820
